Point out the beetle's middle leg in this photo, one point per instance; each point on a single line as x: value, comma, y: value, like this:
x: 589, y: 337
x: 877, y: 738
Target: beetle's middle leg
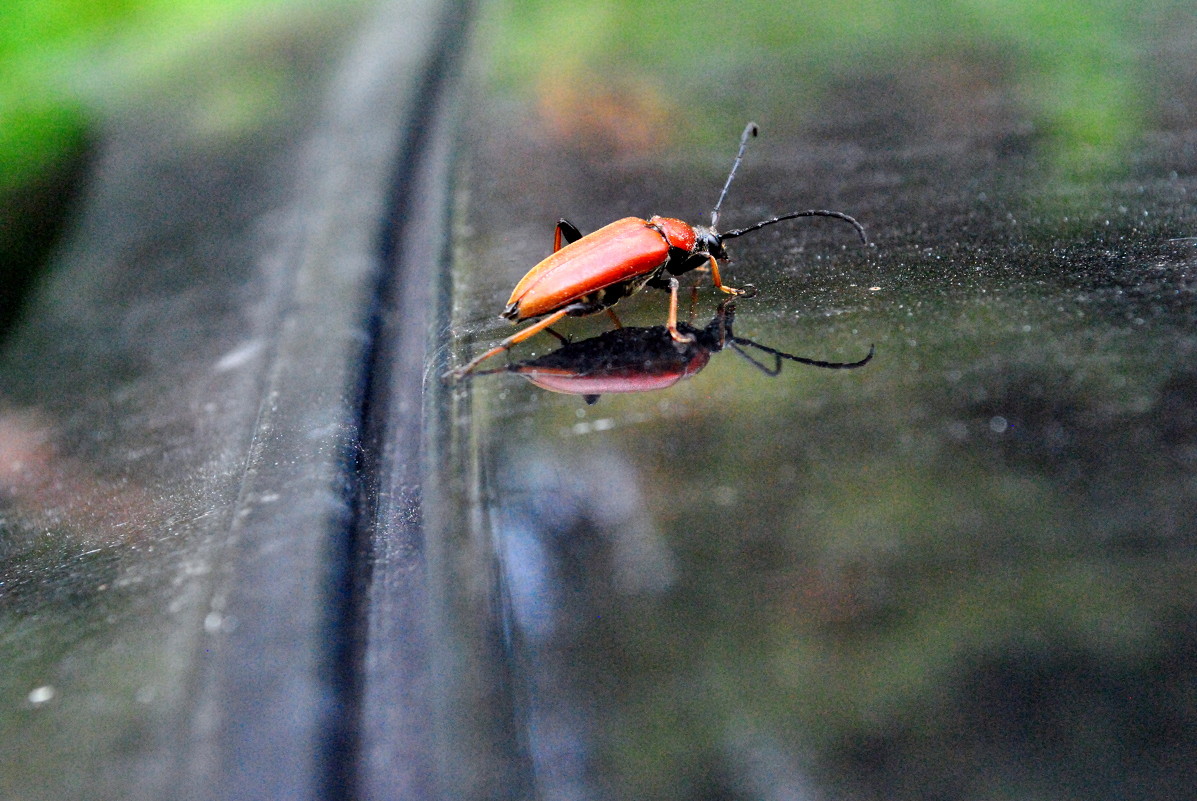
x: 507, y: 344
x: 671, y: 324
x: 567, y: 231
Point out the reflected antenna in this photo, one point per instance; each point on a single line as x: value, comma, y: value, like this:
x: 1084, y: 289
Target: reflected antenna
x: 737, y: 342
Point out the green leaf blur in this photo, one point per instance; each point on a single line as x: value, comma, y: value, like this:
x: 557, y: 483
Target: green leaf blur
x: 1077, y: 66
x: 64, y: 61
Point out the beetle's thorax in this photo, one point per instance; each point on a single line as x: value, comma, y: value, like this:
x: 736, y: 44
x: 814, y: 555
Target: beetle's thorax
x: 678, y: 235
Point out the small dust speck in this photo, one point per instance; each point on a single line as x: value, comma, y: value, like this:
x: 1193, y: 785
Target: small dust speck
x: 40, y: 695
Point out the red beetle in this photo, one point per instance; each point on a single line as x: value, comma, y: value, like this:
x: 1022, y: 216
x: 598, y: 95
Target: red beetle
x: 594, y: 272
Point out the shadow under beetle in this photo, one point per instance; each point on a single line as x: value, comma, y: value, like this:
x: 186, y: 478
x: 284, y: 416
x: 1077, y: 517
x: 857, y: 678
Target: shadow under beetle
x: 636, y: 359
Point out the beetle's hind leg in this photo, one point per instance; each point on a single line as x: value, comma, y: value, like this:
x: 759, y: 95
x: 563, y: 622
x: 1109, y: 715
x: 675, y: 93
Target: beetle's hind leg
x: 506, y: 344
x: 567, y: 231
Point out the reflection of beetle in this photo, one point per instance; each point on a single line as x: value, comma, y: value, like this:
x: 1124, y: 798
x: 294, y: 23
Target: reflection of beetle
x: 643, y: 359
x: 594, y: 272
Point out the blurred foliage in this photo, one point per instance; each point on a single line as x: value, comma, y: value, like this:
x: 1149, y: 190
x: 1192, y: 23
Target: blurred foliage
x: 1078, y: 67
x: 63, y: 60
x: 215, y: 70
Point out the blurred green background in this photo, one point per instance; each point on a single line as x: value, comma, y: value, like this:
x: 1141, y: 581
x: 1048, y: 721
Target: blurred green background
x: 1078, y: 69
x: 68, y: 68
x: 1080, y: 65
x: 66, y: 63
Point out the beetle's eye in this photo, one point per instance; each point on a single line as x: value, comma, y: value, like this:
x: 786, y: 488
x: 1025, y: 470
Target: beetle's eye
x: 712, y: 244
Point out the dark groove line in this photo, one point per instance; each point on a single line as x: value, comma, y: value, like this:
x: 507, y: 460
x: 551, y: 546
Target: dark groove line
x: 343, y: 758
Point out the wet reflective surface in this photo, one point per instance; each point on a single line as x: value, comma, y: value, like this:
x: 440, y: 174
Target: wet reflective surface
x: 640, y: 359
x: 252, y: 545
x: 963, y: 571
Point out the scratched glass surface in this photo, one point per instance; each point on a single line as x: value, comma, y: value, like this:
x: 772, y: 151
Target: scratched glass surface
x: 963, y: 570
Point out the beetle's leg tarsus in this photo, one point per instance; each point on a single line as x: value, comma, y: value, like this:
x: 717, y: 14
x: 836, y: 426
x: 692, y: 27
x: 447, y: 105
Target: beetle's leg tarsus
x: 567, y: 231
x: 671, y: 324
x: 506, y: 344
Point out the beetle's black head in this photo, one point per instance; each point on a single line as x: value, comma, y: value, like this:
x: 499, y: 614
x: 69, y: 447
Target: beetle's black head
x: 708, y: 240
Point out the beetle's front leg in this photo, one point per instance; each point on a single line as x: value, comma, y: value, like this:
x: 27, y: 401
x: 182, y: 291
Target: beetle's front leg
x: 748, y: 291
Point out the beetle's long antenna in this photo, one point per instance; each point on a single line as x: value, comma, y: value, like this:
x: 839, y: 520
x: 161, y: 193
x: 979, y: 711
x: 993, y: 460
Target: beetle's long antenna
x: 749, y: 130
x: 778, y: 355
x: 809, y: 213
